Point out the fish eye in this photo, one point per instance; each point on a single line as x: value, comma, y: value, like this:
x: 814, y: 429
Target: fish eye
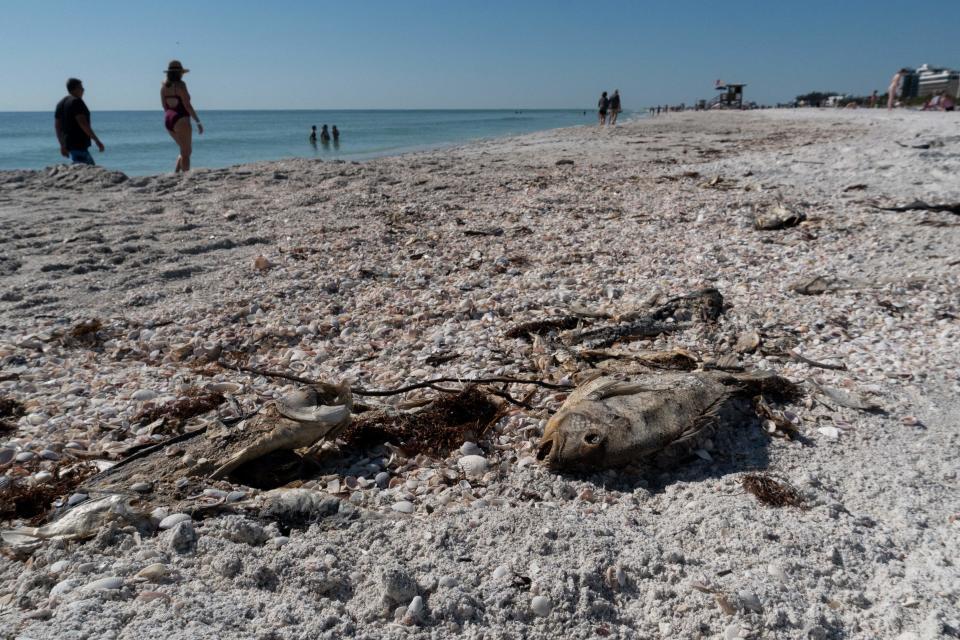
x: 592, y: 438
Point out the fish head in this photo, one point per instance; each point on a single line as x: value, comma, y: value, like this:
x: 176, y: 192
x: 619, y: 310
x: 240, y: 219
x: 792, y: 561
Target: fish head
x: 575, y: 439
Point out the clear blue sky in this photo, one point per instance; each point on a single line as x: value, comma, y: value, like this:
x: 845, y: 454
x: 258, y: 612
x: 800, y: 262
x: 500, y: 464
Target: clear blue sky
x: 462, y: 54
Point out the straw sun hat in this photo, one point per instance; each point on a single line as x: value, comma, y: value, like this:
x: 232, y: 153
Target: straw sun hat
x: 176, y: 65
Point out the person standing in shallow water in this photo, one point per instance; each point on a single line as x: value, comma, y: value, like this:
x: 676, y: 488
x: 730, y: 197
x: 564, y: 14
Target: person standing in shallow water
x: 614, y: 106
x: 313, y: 134
x: 324, y: 134
x: 177, y: 111
x: 602, y: 107
x: 336, y: 134
x: 71, y: 120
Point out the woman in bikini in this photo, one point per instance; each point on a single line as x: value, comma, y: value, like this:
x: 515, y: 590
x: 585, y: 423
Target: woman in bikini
x: 177, y: 112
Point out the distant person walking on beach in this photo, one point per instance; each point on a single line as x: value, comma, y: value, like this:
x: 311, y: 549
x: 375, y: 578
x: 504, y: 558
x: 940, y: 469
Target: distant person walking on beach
x: 894, y: 87
x: 614, y: 106
x: 71, y: 120
x: 324, y: 134
x: 873, y: 99
x: 313, y: 134
x: 177, y: 112
x: 602, y: 107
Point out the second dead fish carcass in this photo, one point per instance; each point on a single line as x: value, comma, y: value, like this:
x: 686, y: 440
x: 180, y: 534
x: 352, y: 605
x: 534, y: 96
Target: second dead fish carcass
x: 609, y: 422
x: 80, y: 522
x: 297, y: 420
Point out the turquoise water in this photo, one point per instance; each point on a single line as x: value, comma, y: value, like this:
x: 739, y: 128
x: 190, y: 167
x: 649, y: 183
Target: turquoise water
x: 137, y: 143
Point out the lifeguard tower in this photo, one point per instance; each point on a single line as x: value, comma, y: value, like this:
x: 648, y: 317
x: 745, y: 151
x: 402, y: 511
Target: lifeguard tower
x: 731, y: 96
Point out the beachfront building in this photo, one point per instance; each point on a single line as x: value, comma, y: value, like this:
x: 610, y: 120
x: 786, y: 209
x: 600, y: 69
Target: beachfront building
x: 931, y: 81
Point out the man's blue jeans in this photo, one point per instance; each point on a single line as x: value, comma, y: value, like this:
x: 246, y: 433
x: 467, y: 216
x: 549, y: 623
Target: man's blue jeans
x: 81, y: 155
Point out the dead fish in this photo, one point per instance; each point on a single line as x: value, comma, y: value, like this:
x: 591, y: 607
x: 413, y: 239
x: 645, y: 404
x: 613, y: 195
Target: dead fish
x: 295, y: 421
x: 609, y: 422
x: 81, y: 522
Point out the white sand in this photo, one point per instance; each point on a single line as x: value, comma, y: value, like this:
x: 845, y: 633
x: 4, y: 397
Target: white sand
x: 384, y: 276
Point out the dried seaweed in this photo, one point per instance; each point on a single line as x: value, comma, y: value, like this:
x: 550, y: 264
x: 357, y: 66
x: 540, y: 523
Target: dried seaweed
x: 436, y: 429
x: 772, y: 492
x: 28, y: 501
x: 542, y: 326
x: 194, y: 402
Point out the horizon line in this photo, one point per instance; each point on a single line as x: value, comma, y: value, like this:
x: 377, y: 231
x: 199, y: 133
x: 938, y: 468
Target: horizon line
x: 338, y: 109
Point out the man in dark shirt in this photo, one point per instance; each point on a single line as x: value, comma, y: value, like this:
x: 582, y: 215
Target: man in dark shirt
x: 72, y: 122
x: 614, y: 106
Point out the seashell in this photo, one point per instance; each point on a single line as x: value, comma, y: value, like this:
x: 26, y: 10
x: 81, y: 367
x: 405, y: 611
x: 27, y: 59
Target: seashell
x: 225, y: 387
x: 150, y: 596
x: 260, y: 263
x: 154, y: 572
x: 473, y: 466
x: 470, y: 449
x: 615, y: 577
x: 750, y: 601
x: 76, y: 498
x: 541, y: 605
x: 404, y: 506
x: 64, y: 587
x: 111, y: 583
x: 831, y: 433
x: 415, y: 608
x: 59, y: 566
x: 173, y: 520
x: 724, y: 604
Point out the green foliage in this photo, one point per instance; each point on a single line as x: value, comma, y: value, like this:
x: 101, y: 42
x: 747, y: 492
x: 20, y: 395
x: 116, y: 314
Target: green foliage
x: 816, y: 97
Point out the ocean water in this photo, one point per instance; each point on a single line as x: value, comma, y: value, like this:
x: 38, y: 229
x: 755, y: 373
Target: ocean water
x: 138, y: 144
